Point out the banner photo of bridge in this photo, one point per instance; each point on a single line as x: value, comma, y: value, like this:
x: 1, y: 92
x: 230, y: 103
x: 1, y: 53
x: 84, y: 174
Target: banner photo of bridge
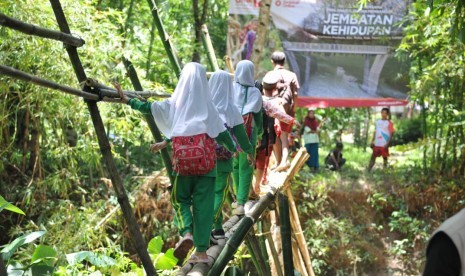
x: 343, y: 56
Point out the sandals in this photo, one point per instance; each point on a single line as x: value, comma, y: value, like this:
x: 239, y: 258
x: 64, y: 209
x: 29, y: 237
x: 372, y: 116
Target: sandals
x: 194, y: 259
x: 183, y: 247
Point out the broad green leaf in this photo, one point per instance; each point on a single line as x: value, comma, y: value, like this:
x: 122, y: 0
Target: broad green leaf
x: 44, y: 252
x: 166, y: 261
x: 155, y: 245
x: 11, y: 248
x: 93, y: 258
x: 8, y: 206
x: 40, y: 270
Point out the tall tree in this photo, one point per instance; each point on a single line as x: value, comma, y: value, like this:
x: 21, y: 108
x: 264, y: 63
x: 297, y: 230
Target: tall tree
x: 200, y: 16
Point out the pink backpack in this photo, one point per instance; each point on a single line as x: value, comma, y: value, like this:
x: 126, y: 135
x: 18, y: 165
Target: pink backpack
x: 193, y: 155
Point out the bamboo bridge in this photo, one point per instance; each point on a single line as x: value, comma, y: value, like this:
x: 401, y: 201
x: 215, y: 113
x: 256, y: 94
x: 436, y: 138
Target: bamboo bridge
x: 258, y: 227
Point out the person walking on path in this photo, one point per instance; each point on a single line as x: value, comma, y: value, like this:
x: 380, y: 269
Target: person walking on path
x: 288, y: 87
x: 190, y: 120
x: 221, y: 88
x: 382, y: 137
x: 248, y: 101
x: 311, y: 139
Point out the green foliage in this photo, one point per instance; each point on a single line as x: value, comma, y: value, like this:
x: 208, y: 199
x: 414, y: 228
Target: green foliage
x: 407, y: 131
x: 162, y: 261
x: 11, y: 248
x: 5, y: 205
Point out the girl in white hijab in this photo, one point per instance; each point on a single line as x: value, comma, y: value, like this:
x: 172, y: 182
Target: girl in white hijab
x: 189, y: 115
x: 221, y: 88
x: 248, y: 101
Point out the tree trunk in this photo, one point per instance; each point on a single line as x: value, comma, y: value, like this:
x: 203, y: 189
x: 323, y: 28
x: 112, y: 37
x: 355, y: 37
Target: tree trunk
x: 199, y: 20
x: 149, y: 55
x: 262, y: 32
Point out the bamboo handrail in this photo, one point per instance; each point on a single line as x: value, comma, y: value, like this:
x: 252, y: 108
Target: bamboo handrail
x: 105, y: 148
x: 31, y: 29
x: 15, y: 73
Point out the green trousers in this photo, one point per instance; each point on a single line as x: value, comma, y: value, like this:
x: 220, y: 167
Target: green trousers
x: 242, y: 176
x: 197, y: 192
x: 221, y: 192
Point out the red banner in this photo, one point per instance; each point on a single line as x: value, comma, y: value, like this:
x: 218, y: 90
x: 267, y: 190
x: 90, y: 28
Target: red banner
x: 348, y: 102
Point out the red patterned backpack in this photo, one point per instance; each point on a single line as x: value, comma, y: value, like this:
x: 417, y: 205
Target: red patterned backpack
x: 193, y: 155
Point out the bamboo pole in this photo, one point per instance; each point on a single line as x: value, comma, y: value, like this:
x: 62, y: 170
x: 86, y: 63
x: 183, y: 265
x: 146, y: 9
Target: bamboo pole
x: 207, y: 42
x: 262, y: 243
x: 17, y: 74
x: 299, y: 235
x: 139, y: 243
x: 286, y: 234
x: 236, y: 238
x: 31, y: 29
x: 274, y: 252
x: 255, y: 258
x: 298, y: 261
x: 262, y: 31
x: 150, y: 121
x: 165, y: 39
x: 253, y: 240
x: 229, y: 64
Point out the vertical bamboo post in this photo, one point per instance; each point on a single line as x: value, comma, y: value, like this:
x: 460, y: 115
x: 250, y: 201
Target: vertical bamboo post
x: 255, y: 259
x: 286, y: 238
x: 207, y: 42
x: 150, y: 121
x: 272, y: 247
x: 299, y: 234
x: 165, y: 39
x: 262, y: 241
x: 134, y: 231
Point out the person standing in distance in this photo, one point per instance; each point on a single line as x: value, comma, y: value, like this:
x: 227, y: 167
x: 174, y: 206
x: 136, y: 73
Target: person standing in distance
x: 382, y: 137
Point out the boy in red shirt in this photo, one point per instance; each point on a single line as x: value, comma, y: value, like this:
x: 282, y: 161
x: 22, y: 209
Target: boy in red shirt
x: 384, y: 130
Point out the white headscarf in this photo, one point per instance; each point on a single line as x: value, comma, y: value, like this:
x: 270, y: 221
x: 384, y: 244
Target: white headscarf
x: 190, y: 110
x: 247, y: 97
x: 221, y: 87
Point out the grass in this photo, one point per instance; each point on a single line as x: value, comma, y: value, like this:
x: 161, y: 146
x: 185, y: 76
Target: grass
x: 375, y: 223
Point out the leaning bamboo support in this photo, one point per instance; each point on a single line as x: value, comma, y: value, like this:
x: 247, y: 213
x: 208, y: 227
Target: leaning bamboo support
x: 286, y: 238
x: 150, y: 121
x: 209, y: 48
x: 31, y: 29
x: 165, y: 39
x: 136, y: 236
x: 261, y: 258
x: 298, y: 233
x: 17, y: 74
x: 298, y: 261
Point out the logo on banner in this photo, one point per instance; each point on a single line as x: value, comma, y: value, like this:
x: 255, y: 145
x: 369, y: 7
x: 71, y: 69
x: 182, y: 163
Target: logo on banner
x: 287, y: 3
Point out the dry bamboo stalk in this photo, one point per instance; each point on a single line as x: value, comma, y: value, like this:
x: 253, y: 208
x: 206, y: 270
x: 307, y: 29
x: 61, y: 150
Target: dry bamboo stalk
x: 299, y: 235
x: 298, y: 262
x: 31, y: 29
x: 229, y: 64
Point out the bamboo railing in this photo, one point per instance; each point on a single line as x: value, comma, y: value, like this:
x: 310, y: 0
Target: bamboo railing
x: 237, y: 228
